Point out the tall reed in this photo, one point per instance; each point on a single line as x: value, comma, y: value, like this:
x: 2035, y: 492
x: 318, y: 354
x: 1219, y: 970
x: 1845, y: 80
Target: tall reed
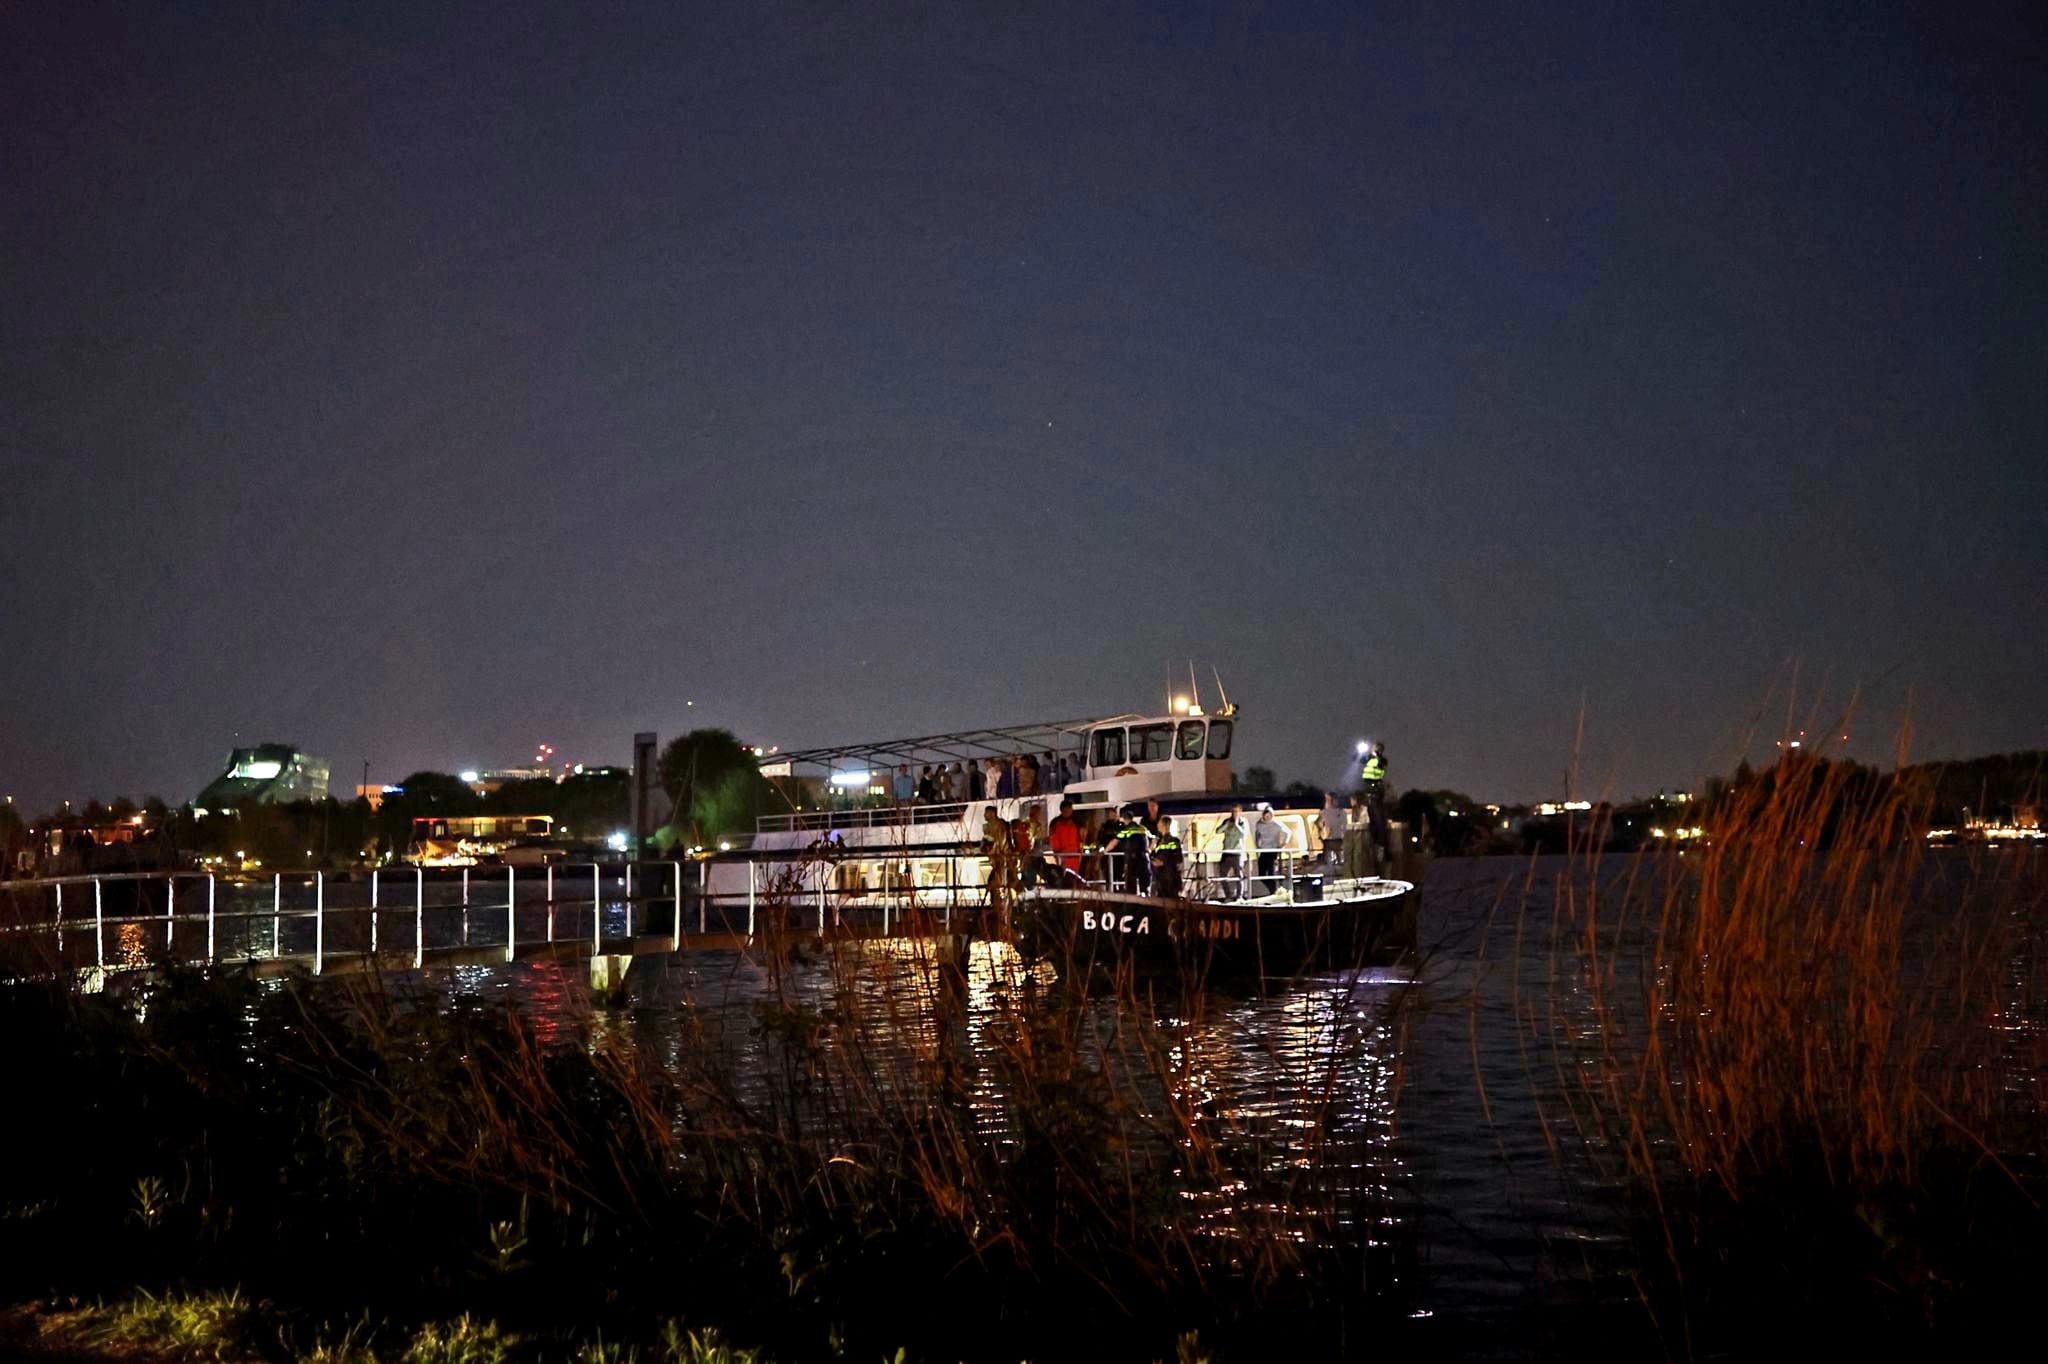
x: 1806, y: 1018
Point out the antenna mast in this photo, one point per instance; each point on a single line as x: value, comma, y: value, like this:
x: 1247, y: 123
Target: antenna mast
x: 1194, y: 687
x: 1222, y: 695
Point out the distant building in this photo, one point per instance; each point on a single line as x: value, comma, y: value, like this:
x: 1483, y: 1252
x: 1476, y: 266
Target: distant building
x: 484, y: 783
x: 375, y: 794
x: 268, y: 774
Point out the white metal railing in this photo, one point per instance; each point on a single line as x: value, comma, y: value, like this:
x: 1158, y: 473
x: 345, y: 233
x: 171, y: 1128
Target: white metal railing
x: 70, y: 906
x: 830, y: 881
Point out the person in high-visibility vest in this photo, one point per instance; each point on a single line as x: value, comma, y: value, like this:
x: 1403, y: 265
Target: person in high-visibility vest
x: 1133, y: 858
x: 1372, y: 779
x: 1166, y: 860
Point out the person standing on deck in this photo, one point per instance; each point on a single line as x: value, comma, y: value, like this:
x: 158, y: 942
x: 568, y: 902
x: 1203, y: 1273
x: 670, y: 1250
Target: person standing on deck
x: 905, y: 787
x: 1100, y: 865
x: 1166, y: 861
x: 1133, y: 857
x: 1359, y: 857
x: 1064, y: 838
x: 1027, y: 837
x: 1098, y: 840
x: 1372, y: 778
x: 1230, y: 862
x: 1269, y: 835
x: 1330, y: 828
x: 995, y: 842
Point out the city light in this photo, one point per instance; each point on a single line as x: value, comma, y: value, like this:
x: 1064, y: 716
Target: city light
x: 852, y: 778
x: 468, y: 778
x: 617, y: 842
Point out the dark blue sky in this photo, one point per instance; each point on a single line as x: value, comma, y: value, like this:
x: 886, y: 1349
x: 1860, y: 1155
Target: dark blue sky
x: 422, y: 386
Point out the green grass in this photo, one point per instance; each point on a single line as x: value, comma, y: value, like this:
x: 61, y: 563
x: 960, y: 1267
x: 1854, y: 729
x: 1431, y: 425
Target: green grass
x: 175, y: 1328
x: 214, y: 1326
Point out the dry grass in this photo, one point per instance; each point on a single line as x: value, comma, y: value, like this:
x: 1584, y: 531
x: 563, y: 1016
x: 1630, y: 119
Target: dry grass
x: 1807, y: 1018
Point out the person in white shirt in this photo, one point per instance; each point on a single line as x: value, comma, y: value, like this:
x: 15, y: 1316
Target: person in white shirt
x: 1330, y: 828
x: 1270, y: 837
x: 1358, y: 849
x: 1230, y: 862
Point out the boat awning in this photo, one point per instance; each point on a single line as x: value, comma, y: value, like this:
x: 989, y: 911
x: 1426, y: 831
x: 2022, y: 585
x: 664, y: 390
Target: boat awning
x: 1055, y: 736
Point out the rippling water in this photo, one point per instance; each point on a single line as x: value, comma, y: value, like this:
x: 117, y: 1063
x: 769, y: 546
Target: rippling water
x: 1340, y: 1107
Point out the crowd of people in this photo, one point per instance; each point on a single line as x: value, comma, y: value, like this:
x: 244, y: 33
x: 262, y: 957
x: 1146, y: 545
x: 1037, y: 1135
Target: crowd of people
x: 995, y: 778
x: 1140, y: 850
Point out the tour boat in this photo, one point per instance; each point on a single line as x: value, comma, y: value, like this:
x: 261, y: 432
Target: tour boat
x: 848, y: 848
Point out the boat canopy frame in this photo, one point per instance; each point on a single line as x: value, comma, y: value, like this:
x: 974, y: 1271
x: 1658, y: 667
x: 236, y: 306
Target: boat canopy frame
x: 1054, y: 735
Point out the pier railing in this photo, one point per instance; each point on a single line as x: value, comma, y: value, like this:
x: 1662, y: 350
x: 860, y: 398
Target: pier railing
x: 120, y: 920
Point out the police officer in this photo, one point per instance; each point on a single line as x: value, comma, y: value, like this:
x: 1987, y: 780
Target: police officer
x: 1166, y: 860
x: 1134, y: 860
x: 1372, y: 779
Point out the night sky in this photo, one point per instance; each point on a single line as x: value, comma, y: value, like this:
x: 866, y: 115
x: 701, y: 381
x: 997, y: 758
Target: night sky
x: 418, y: 383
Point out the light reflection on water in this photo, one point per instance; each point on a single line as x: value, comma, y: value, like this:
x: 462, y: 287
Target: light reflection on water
x: 1268, y: 1113
x: 1393, y: 1108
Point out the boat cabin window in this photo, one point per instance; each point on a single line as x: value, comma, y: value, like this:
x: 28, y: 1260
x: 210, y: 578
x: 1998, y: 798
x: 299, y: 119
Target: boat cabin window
x: 1219, y: 738
x: 1109, y: 748
x: 1151, y: 743
x: 1189, y: 744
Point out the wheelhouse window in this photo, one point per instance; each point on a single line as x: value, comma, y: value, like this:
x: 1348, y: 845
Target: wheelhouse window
x: 1219, y: 738
x: 1151, y: 743
x: 1188, y: 745
x: 1109, y: 748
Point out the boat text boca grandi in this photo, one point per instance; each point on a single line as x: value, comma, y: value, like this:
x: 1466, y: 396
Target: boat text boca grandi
x: 866, y: 832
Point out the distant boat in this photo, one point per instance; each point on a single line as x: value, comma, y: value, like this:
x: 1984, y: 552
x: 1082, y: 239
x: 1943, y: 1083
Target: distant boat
x: 483, y: 840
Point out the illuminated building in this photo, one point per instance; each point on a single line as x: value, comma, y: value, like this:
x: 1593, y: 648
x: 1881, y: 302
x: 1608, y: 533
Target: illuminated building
x: 268, y: 774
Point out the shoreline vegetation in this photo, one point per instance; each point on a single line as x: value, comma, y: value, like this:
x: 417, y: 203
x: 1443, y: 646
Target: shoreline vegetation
x: 1808, y: 1064
x: 1813, y: 1060
x: 812, y: 1182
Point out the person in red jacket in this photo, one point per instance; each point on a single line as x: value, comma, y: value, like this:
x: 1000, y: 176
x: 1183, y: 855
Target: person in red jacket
x: 1064, y: 838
